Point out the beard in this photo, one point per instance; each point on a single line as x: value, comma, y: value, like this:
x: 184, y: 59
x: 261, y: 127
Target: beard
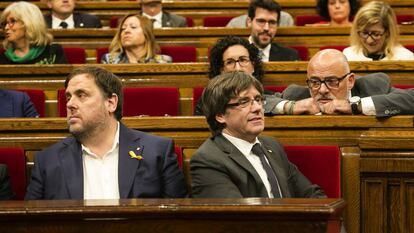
x: 257, y: 41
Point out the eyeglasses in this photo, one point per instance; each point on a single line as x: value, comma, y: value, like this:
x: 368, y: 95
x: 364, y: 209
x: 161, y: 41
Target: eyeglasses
x: 374, y: 35
x: 245, y: 102
x: 11, y: 23
x: 262, y: 22
x: 231, y: 63
x: 331, y: 82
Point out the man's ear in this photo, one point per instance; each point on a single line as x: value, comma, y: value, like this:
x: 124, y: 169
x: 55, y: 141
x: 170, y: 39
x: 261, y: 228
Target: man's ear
x: 112, y: 103
x: 220, y: 118
x: 351, y: 81
x: 49, y: 3
x: 249, y: 22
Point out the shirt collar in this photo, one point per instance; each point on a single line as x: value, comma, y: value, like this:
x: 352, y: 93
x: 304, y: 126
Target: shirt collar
x: 243, y: 146
x: 157, y: 17
x: 69, y: 20
x: 265, y: 52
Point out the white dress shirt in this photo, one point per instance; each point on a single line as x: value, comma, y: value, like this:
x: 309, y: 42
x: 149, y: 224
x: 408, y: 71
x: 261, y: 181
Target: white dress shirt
x: 69, y: 20
x: 100, y: 174
x: 157, y: 19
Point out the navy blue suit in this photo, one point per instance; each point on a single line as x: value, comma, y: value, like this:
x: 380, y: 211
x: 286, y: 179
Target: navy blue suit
x: 58, y: 170
x: 16, y: 104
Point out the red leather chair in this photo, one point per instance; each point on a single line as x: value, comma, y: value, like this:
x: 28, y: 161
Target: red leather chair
x: 302, y: 20
x: 337, y: 47
x: 320, y: 164
x: 152, y: 101
x: 75, y: 55
x: 405, y: 19
x: 216, y: 21
x: 302, y: 51
x: 180, y: 53
x: 38, y: 99
x: 15, y: 160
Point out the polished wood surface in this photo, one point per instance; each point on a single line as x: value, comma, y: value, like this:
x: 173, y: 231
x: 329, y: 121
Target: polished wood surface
x: 248, y: 215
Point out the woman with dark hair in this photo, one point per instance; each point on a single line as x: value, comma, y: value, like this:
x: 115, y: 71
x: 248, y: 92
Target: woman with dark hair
x: 338, y: 12
x: 233, y: 53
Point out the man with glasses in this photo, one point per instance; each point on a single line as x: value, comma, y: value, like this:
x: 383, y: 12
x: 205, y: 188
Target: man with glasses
x: 236, y: 161
x: 264, y: 17
x: 333, y: 89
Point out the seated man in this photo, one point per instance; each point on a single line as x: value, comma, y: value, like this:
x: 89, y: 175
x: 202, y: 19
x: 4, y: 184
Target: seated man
x: 6, y: 192
x: 237, y: 162
x: 334, y: 89
x: 16, y: 104
x: 63, y: 16
x: 152, y: 9
x: 104, y: 159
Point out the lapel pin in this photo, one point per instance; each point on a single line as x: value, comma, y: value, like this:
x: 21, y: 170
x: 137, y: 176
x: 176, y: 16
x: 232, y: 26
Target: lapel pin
x: 270, y: 151
x: 134, y: 156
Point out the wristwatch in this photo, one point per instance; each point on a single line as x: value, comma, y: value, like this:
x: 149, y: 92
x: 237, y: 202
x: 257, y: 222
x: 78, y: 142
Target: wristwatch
x: 355, y: 102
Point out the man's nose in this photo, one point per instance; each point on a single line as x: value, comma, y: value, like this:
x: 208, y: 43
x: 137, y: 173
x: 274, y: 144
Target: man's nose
x: 323, y: 88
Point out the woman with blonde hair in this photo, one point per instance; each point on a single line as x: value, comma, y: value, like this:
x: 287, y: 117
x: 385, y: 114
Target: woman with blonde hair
x: 374, y: 35
x: 134, y: 42
x: 26, y: 38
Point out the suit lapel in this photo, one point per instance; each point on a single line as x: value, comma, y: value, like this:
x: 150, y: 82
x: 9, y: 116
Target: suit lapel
x: 165, y: 20
x: 71, y: 163
x: 127, y: 167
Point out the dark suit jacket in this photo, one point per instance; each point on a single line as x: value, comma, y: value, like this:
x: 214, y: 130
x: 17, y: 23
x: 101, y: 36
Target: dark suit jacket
x: 6, y: 192
x: 280, y: 53
x: 16, y: 104
x: 81, y: 20
x: 388, y: 101
x: 220, y: 170
x: 58, y: 170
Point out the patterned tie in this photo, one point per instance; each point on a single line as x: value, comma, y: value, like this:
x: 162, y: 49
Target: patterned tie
x: 274, y: 184
x: 63, y: 25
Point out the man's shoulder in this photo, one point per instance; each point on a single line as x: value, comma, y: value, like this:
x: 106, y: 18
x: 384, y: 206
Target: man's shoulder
x: 173, y: 16
x: 285, y: 53
x: 84, y: 15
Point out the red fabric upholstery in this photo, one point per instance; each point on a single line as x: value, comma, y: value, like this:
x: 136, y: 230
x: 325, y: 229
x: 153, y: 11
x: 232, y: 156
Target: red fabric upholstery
x: 152, y: 101
x: 113, y: 21
x: 180, y: 53
x: 275, y: 88
x: 403, y: 86
x: 337, y: 47
x: 75, y: 55
x: 302, y: 20
x: 38, y: 99
x: 302, y: 51
x: 99, y: 53
x: 179, y: 152
x: 61, y: 101
x: 197, y: 92
x: 216, y: 21
x: 410, y: 47
x: 320, y: 164
x: 190, y: 21
x: 405, y: 19
x: 15, y: 160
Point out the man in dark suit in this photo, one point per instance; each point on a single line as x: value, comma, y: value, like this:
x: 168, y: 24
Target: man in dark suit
x: 333, y: 89
x: 237, y: 162
x: 104, y: 159
x: 6, y: 192
x: 153, y: 10
x: 16, y: 104
x: 63, y: 16
x: 263, y: 20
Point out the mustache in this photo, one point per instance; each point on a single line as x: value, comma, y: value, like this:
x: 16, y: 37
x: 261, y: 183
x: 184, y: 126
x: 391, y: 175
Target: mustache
x: 323, y: 97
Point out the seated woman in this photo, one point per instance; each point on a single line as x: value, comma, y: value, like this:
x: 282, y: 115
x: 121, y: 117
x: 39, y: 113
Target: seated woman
x: 26, y: 38
x: 338, y: 12
x: 374, y: 35
x: 134, y: 42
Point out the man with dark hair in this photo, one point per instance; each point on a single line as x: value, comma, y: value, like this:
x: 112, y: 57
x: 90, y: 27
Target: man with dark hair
x: 63, y: 16
x: 333, y: 89
x: 236, y: 161
x: 152, y: 9
x: 263, y: 19
x: 6, y: 192
x: 103, y: 159
x: 16, y: 104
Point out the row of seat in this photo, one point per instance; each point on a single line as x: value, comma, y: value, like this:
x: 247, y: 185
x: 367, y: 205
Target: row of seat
x: 321, y: 164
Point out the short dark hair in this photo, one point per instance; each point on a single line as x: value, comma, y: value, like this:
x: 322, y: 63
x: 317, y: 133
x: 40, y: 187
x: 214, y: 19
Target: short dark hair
x: 269, y: 5
x: 216, y: 56
x: 322, y: 8
x: 107, y: 82
x: 220, y: 91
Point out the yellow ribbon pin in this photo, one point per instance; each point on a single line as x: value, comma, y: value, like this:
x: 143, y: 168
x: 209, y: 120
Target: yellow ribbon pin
x: 134, y: 156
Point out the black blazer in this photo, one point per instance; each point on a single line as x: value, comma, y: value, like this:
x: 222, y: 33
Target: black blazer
x: 81, y: 20
x: 6, y: 192
x: 280, y: 53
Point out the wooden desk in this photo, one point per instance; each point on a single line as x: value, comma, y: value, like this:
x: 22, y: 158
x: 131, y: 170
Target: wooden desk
x: 249, y: 215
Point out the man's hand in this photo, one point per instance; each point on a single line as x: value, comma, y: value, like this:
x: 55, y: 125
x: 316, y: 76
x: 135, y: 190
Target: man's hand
x: 335, y: 106
x: 305, y: 106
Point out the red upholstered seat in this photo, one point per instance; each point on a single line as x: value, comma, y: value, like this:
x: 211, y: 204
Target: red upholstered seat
x: 403, y: 86
x: 61, y: 101
x: 75, y: 55
x: 302, y: 20
x: 180, y: 53
x: 302, y: 51
x: 152, y: 101
x: 99, y: 53
x: 337, y: 47
x: 405, y: 19
x: 15, y: 160
x: 216, y: 21
x: 190, y: 21
x: 410, y: 47
x: 275, y: 88
x: 320, y: 164
x: 38, y: 99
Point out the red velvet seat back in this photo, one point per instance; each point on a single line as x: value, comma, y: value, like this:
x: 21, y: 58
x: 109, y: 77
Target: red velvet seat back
x: 302, y: 20
x: 15, y: 160
x: 405, y: 19
x: 216, y: 21
x: 99, y: 53
x: 302, y: 51
x: 38, y: 99
x: 275, y: 88
x: 61, y: 102
x: 75, y: 55
x: 320, y: 164
x: 180, y: 53
x: 152, y: 101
